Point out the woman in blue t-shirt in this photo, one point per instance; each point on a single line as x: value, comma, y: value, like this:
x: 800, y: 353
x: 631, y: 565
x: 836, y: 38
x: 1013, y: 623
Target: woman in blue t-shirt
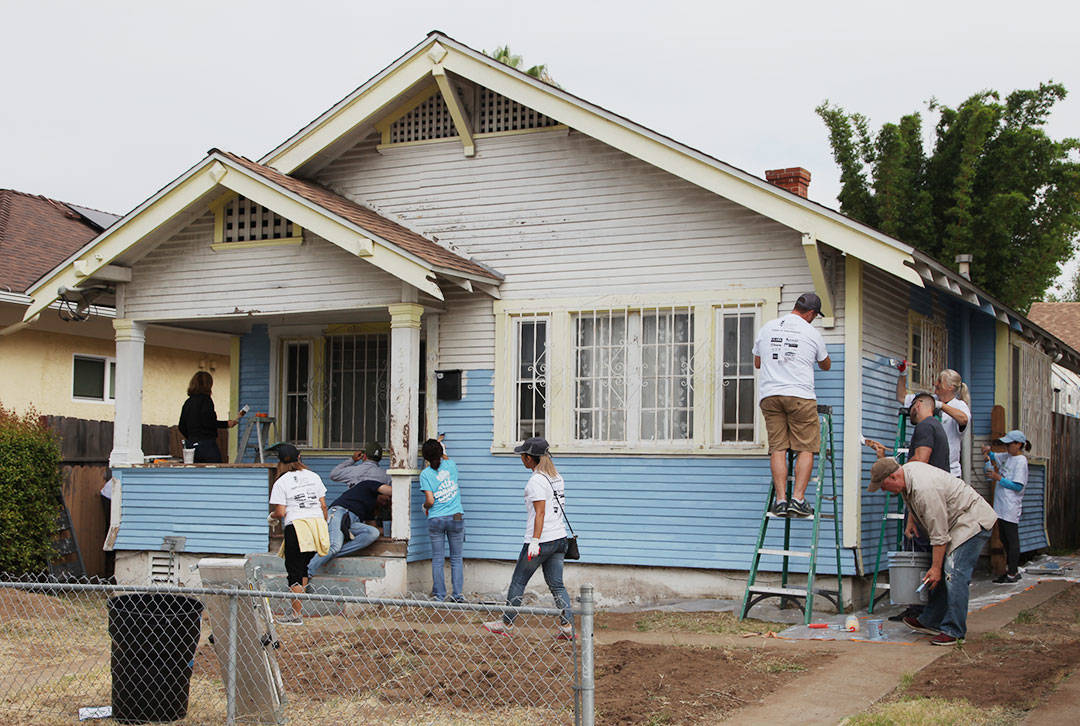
x: 445, y: 519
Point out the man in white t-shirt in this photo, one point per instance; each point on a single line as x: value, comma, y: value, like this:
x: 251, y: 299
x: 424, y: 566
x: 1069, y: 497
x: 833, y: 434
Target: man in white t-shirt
x: 785, y: 352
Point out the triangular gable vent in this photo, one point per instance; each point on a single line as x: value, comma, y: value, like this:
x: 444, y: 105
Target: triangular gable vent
x: 489, y: 112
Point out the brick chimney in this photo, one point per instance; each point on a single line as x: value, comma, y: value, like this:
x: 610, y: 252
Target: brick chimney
x: 795, y: 179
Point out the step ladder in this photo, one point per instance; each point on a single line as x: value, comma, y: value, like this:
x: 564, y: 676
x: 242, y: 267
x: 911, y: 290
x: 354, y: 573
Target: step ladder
x: 262, y: 424
x: 878, y: 590
x: 756, y: 593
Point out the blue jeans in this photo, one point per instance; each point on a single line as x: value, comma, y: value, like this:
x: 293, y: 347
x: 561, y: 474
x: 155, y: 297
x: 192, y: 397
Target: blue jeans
x: 363, y: 535
x: 443, y: 530
x: 947, y: 608
x: 551, y: 559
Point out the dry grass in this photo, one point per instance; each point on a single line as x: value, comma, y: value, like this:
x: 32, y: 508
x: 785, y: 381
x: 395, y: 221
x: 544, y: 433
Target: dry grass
x: 711, y: 623
x: 933, y: 712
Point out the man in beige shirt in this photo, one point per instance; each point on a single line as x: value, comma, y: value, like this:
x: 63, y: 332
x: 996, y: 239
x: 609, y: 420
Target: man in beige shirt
x: 958, y: 521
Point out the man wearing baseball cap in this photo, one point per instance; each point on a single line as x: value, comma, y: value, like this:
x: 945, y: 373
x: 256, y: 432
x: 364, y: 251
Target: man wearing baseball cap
x: 958, y: 521
x: 362, y: 466
x: 785, y: 352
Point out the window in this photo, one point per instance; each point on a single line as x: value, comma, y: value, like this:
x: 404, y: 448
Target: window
x: 93, y: 378
x: 295, y: 394
x: 647, y: 374
x: 530, y: 379
x: 928, y: 349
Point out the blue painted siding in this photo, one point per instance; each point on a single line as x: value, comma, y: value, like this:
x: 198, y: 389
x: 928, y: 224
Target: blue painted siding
x: 1032, y: 531
x: 255, y: 373
x: 662, y: 511
x: 218, y: 510
x: 983, y: 351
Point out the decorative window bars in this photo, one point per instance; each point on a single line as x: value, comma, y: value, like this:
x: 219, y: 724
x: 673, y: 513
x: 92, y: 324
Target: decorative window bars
x: 530, y: 377
x: 737, y: 400
x: 296, y: 418
x: 246, y: 221
x: 356, y: 404
x: 928, y: 348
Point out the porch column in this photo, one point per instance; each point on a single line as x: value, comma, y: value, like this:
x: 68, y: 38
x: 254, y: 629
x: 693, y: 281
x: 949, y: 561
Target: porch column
x: 127, y: 422
x: 404, y: 399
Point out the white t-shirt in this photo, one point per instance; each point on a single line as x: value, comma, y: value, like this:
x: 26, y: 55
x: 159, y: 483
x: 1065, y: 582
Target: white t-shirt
x: 1007, y: 503
x: 953, y: 432
x: 300, y: 492
x: 788, y: 347
x: 540, y: 489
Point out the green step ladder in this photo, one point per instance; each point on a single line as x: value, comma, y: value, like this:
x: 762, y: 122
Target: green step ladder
x: 900, y: 452
x: 756, y: 593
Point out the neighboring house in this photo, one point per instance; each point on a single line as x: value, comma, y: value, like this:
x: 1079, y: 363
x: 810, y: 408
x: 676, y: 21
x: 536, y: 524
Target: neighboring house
x: 590, y: 279
x: 61, y: 367
x: 1063, y: 320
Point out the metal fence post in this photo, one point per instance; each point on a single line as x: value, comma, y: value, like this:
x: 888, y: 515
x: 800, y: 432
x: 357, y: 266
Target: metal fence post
x: 588, y: 682
x: 230, y: 674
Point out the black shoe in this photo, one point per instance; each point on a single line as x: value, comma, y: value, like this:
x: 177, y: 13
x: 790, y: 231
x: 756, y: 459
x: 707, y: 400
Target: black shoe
x: 1001, y: 580
x: 779, y: 509
x: 796, y: 508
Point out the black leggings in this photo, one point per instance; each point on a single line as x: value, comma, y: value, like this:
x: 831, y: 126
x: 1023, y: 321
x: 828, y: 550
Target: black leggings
x: 296, y: 562
x: 1010, y: 540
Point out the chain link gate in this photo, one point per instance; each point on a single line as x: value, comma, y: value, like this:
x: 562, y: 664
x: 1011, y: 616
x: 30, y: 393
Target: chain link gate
x: 216, y: 655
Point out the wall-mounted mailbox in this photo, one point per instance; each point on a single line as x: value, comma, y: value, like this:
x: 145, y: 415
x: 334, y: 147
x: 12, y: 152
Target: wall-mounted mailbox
x: 448, y: 385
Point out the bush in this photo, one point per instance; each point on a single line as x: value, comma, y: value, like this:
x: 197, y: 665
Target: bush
x: 29, y: 485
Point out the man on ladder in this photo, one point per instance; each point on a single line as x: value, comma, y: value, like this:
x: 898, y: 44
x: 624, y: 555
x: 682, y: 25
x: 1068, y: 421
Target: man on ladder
x: 785, y: 352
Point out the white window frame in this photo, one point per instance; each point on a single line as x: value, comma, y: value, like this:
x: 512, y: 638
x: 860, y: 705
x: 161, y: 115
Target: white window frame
x: 539, y: 370
x: 109, y: 389
x: 741, y: 309
x: 560, y: 313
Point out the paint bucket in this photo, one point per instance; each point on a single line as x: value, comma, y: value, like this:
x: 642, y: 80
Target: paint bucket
x: 906, y: 572
x: 875, y: 629
x: 189, y: 456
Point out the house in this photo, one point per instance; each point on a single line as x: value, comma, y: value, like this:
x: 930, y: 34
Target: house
x: 1063, y: 320
x: 579, y: 276
x: 64, y: 364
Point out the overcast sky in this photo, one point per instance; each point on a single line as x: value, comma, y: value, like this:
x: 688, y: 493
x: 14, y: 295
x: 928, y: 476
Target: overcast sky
x: 103, y: 102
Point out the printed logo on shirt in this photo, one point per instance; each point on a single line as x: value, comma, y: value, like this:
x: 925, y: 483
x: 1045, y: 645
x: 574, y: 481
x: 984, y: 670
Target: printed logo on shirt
x: 447, y: 488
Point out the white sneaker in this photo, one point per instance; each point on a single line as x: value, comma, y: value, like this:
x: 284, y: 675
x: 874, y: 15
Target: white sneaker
x: 289, y: 619
x: 498, y: 627
x: 566, y: 632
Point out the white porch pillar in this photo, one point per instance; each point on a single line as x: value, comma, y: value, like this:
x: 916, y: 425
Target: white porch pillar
x: 127, y: 422
x: 404, y: 400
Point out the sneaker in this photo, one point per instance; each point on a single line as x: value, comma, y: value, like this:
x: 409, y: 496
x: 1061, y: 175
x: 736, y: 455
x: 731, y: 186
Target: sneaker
x: 1013, y: 578
x: 566, y: 632
x: 289, y: 619
x: 943, y: 639
x: 1006, y: 579
x: 918, y: 627
x: 799, y: 508
x: 779, y: 509
x: 498, y: 627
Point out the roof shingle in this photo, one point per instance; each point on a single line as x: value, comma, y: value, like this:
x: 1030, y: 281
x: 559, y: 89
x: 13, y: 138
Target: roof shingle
x: 1060, y: 318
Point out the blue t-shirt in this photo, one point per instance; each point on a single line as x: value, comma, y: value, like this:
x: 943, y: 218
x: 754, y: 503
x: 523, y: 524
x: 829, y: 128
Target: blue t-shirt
x: 443, y: 484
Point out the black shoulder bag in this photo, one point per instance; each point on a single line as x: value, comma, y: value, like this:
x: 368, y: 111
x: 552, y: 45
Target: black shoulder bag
x: 572, y: 551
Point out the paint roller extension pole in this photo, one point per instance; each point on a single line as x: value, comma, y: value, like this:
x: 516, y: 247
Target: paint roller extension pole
x: 588, y: 681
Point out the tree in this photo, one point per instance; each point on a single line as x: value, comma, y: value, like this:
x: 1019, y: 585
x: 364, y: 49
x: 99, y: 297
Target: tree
x: 29, y: 485
x: 996, y: 186
x: 504, y: 56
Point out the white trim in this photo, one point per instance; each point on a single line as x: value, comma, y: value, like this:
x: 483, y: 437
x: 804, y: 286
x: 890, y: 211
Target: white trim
x: 851, y: 470
x: 109, y: 388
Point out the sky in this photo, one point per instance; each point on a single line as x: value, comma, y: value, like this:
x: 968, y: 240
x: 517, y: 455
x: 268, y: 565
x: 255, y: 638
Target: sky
x: 104, y: 102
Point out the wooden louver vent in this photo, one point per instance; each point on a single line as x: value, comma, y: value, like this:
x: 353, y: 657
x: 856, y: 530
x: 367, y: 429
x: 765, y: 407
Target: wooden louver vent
x: 246, y: 221
x: 488, y: 112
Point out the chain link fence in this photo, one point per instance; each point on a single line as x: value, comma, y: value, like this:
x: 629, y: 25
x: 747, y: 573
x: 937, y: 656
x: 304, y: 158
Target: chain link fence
x: 223, y: 654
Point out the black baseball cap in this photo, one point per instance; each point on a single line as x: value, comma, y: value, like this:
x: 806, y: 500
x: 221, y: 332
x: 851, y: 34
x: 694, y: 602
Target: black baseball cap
x: 535, y: 446
x: 286, y: 453
x: 809, y: 301
x: 373, y: 451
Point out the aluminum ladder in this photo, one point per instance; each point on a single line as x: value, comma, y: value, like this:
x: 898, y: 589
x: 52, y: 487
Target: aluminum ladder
x: 262, y: 424
x: 756, y: 593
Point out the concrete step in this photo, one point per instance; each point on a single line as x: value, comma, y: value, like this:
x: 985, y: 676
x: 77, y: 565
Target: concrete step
x: 341, y: 576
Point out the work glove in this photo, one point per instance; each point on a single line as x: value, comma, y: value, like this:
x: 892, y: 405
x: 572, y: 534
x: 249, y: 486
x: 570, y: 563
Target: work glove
x: 901, y: 366
x: 534, y: 548
x: 937, y: 404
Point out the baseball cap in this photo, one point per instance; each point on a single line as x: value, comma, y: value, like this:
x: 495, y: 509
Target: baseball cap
x: 809, y: 301
x: 880, y: 471
x: 286, y: 453
x: 1016, y: 436
x: 373, y: 450
x: 534, y: 446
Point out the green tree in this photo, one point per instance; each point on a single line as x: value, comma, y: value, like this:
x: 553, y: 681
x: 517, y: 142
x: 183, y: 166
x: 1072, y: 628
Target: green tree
x: 996, y: 186
x: 506, y: 57
x: 29, y: 483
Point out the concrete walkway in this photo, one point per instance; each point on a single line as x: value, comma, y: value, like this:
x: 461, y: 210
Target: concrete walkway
x: 1062, y: 708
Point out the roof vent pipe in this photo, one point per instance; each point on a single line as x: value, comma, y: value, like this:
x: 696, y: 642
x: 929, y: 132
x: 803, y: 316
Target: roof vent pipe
x: 963, y: 266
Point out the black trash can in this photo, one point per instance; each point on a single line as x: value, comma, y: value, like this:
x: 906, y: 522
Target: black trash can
x: 154, y: 637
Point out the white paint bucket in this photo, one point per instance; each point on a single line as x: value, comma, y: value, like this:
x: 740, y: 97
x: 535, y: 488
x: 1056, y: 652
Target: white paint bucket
x: 875, y: 629
x: 906, y: 572
x: 189, y: 456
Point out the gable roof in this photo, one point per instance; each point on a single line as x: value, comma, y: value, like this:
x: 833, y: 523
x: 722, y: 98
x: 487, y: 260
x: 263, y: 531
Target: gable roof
x: 1060, y: 318
x: 439, y: 257
x: 37, y: 233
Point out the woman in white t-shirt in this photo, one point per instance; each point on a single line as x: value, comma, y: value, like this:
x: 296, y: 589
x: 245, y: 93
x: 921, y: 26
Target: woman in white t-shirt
x: 954, y: 403
x: 545, y: 537
x: 1009, y: 471
x: 299, y: 501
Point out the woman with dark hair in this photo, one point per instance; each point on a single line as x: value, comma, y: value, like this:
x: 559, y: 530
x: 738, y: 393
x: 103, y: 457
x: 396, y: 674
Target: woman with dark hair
x: 1009, y: 471
x: 199, y: 422
x: 445, y: 519
x: 299, y: 501
x: 545, y: 537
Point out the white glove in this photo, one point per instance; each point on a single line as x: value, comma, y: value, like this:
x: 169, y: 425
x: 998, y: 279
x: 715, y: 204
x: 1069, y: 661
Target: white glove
x: 534, y: 548
x: 271, y: 518
x: 937, y: 404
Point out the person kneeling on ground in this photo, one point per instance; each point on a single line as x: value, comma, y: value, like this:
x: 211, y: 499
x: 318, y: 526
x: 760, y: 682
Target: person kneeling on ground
x: 349, y: 513
x: 958, y: 521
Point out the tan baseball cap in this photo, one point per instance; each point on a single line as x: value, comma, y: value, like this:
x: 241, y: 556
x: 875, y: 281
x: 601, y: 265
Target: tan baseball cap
x: 880, y: 471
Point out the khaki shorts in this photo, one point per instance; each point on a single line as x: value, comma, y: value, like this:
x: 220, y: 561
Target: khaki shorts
x: 791, y: 423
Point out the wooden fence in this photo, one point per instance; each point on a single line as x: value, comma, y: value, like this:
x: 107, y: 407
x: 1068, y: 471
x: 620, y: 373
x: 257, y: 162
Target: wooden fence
x: 1063, y: 484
